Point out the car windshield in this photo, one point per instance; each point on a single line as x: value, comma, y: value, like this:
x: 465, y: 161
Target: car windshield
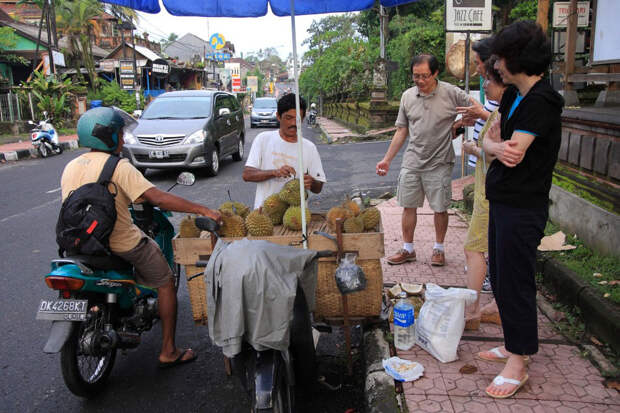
x: 266, y: 104
x: 179, y: 107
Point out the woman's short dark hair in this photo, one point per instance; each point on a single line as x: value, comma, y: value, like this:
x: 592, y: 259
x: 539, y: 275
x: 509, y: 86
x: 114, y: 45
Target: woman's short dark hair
x: 433, y: 63
x: 483, y: 48
x: 491, y: 72
x: 287, y: 102
x: 525, y: 48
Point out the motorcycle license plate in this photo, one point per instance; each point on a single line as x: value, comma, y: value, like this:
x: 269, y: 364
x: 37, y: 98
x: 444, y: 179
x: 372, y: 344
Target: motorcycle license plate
x: 64, y: 310
x: 159, y: 154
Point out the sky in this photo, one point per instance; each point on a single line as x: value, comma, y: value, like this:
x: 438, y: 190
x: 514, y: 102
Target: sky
x: 247, y: 34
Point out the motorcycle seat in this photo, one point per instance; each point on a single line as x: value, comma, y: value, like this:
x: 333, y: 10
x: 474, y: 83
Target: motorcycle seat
x: 112, y: 262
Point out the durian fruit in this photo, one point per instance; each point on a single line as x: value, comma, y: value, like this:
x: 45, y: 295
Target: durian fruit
x: 274, y: 208
x: 258, y: 225
x: 354, y: 224
x: 371, y: 217
x: 233, y: 225
x: 236, y: 208
x: 188, y: 228
x: 351, y: 206
x: 290, y: 193
x: 337, y: 212
x: 292, y: 218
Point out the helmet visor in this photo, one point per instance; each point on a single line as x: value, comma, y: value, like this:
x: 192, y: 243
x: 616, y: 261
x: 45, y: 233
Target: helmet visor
x: 130, y: 122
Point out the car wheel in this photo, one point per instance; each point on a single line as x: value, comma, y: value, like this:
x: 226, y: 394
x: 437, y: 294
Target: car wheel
x: 238, y: 156
x: 214, y: 164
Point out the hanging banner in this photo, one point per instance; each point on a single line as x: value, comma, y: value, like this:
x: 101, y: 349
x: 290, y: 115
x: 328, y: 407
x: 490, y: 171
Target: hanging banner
x: 469, y: 16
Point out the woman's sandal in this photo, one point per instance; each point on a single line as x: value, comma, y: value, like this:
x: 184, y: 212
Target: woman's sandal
x: 499, y: 356
x: 500, y: 380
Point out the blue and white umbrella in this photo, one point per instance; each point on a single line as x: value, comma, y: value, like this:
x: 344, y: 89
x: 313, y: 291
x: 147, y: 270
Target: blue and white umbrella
x: 257, y: 8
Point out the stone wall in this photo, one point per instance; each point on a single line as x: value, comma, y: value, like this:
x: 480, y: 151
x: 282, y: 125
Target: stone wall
x: 362, y: 116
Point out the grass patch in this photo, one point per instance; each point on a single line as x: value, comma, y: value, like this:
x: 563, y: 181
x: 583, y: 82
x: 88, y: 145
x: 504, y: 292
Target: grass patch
x: 6, y: 138
x: 586, y: 263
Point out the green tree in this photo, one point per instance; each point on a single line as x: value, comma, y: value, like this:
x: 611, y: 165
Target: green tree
x: 8, y: 40
x: 77, y: 20
x: 51, y: 94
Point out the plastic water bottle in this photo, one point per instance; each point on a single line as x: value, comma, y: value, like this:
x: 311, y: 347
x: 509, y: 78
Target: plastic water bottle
x: 404, y: 331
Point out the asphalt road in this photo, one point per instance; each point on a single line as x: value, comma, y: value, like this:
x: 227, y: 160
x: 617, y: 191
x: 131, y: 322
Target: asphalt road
x: 30, y: 381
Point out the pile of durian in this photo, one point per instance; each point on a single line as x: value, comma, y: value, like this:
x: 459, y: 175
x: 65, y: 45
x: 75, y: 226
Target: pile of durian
x: 355, y: 219
x: 283, y: 208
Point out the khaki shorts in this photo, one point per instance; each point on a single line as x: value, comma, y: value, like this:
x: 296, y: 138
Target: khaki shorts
x: 435, y: 184
x: 151, y: 267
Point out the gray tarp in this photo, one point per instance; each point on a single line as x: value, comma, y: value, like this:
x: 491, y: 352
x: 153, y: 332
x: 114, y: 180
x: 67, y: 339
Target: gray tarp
x: 251, y: 286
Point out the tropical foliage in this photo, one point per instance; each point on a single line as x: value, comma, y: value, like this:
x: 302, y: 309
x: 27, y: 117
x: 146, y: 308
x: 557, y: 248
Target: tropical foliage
x: 8, y: 39
x: 78, y: 21
x: 51, y: 94
x: 112, y: 95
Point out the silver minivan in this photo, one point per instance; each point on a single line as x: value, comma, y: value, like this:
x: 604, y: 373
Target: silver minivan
x: 187, y: 129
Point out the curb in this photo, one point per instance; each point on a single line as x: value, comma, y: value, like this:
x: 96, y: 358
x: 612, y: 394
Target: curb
x: 601, y: 317
x: 379, y: 389
x: 327, y: 135
x: 21, y: 154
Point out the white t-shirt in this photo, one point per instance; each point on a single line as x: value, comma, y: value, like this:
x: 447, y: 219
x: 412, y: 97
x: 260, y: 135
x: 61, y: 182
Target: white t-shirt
x: 270, y: 151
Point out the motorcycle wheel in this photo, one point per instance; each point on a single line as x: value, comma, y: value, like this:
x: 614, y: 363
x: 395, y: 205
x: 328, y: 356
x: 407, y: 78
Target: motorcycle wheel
x: 58, y: 149
x: 43, y: 150
x: 85, y: 374
x: 283, y: 394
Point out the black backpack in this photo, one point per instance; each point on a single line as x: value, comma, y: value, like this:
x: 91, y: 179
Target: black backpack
x: 87, y: 216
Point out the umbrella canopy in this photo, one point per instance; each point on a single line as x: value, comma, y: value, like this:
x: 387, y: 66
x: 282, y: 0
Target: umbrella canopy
x: 257, y: 8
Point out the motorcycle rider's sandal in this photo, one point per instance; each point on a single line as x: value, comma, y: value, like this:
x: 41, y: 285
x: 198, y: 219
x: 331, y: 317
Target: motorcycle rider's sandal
x: 178, y: 361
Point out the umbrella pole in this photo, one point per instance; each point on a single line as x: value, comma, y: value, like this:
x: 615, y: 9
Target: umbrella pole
x: 300, y: 144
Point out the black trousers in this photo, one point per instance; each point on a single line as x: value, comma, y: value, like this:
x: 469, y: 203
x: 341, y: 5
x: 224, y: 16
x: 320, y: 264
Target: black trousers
x: 514, y: 235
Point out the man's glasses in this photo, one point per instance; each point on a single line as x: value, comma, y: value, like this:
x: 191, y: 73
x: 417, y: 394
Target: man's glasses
x: 423, y: 76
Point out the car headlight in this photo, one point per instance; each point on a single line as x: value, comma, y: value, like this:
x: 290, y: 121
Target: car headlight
x: 197, y: 137
x: 254, y: 114
x: 129, y: 138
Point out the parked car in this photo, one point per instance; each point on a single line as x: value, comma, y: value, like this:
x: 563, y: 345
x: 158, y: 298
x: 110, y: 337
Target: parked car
x: 264, y: 113
x: 187, y: 129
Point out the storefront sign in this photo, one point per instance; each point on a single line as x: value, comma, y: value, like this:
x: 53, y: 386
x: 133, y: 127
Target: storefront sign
x: 561, y: 11
x: 127, y: 74
x: 217, y: 41
x: 252, y: 83
x: 468, y: 16
x: 107, y: 65
x: 235, y: 73
x: 218, y: 56
x: 160, y: 68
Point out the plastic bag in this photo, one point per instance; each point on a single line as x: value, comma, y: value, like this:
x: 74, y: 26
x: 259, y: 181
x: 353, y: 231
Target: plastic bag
x: 349, y: 276
x: 403, y: 370
x: 441, y: 321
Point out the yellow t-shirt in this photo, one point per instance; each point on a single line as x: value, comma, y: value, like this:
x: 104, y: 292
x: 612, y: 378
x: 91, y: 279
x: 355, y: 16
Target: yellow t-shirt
x: 130, y: 185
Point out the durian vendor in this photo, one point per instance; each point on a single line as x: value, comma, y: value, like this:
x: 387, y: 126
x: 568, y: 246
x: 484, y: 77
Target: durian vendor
x: 273, y: 156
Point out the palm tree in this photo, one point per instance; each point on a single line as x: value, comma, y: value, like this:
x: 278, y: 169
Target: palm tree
x: 77, y: 20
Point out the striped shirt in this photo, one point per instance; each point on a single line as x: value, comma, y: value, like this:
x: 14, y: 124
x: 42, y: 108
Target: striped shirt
x: 489, y: 106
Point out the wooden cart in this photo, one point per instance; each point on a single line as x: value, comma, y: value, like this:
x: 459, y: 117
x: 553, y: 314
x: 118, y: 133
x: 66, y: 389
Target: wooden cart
x: 329, y: 304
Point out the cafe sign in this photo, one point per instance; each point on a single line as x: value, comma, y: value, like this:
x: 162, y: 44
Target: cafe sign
x: 127, y: 74
x: 160, y: 68
x: 469, y: 16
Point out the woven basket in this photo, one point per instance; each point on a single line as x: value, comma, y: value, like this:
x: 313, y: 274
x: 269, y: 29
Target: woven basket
x: 366, y: 303
x: 197, y: 294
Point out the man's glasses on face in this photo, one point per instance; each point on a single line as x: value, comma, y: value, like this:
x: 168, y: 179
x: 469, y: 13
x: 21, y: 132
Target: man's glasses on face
x: 423, y: 76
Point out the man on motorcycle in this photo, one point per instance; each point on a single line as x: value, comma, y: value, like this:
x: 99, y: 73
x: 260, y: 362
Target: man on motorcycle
x: 101, y: 129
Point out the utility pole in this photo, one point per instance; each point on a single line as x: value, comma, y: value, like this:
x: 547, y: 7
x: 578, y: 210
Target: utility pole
x: 52, y: 9
x: 135, y: 69
x: 570, y: 96
x: 50, y: 52
x: 542, y: 16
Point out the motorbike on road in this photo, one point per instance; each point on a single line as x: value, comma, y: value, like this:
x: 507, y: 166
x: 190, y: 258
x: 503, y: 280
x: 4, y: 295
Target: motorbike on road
x: 312, y: 117
x: 44, y: 137
x: 270, y: 376
x: 100, y: 308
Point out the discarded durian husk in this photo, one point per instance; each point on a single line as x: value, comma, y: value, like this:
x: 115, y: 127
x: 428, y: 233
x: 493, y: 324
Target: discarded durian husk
x: 395, y: 291
x: 411, y: 289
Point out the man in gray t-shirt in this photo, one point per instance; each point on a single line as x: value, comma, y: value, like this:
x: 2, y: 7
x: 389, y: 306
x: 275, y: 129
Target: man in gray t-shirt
x: 427, y: 112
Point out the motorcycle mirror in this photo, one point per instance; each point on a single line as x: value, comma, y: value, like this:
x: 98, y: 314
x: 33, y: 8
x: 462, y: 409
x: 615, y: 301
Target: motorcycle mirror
x: 45, y: 113
x: 186, y: 178
x: 30, y: 122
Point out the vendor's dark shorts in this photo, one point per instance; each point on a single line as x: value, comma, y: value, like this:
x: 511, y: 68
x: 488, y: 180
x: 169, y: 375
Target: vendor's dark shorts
x: 151, y: 267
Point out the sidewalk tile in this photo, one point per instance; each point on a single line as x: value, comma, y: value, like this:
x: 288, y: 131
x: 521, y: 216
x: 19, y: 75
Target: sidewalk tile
x: 430, y: 404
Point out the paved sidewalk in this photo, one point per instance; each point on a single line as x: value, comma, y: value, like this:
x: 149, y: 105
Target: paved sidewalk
x: 560, y: 380
x: 24, y: 149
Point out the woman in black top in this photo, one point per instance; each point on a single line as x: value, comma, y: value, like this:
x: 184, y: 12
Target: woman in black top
x: 525, y: 144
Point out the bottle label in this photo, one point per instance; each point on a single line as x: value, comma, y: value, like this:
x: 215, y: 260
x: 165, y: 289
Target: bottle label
x: 403, y: 318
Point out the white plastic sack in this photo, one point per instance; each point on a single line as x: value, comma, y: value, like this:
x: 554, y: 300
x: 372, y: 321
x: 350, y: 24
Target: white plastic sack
x: 441, y: 322
x: 403, y: 370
